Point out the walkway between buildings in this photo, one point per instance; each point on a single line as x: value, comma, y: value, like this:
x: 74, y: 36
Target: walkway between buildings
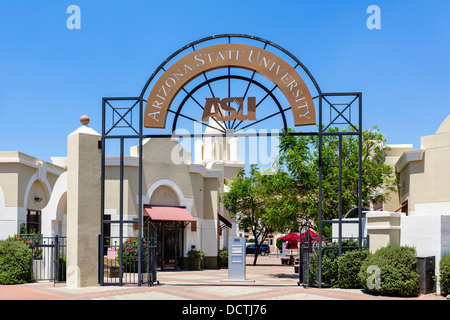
x: 269, y: 280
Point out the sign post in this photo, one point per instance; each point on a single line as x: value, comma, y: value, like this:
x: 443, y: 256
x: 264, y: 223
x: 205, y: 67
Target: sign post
x: 236, y: 258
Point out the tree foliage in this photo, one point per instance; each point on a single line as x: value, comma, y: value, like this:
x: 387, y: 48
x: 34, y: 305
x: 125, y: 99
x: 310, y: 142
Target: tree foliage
x: 282, y: 199
x: 262, y: 203
x: 299, y: 156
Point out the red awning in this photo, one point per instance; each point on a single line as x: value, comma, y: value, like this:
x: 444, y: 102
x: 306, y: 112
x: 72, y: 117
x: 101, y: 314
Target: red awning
x: 168, y: 213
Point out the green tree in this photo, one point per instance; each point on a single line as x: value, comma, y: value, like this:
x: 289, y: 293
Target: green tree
x: 299, y: 157
x: 262, y: 203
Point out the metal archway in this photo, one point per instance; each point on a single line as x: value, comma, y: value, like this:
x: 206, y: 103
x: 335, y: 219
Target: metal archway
x: 122, y: 119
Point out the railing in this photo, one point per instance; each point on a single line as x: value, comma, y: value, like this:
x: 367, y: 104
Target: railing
x: 48, y: 257
x: 121, y: 262
x: 331, y: 250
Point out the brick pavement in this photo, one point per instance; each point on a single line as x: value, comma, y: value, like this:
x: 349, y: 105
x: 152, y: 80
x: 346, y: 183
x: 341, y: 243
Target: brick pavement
x: 269, y: 280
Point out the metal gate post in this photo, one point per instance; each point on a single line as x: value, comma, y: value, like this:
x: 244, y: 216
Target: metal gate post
x: 56, y: 260
x: 102, y: 201
x: 319, y: 251
x: 360, y: 142
x: 140, y: 215
x: 121, y: 213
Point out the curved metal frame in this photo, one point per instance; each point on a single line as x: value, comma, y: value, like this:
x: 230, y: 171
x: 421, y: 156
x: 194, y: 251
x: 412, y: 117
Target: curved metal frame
x: 207, y: 82
x: 138, y: 101
x: 229, y: 36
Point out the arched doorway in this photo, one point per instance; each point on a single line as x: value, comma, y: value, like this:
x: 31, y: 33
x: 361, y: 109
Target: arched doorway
x: 170, y: 233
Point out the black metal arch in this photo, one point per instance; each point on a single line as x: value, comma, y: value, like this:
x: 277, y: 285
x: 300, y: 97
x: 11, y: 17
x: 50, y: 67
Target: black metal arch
x: 229, y: 36
x: 250, y: 80
x: 338, y: 112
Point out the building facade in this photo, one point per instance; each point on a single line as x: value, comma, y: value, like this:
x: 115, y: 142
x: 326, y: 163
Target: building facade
x: 33, y: 194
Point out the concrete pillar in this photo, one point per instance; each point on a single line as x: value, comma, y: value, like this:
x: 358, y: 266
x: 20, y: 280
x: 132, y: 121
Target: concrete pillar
x: 383, y: 229
x: 198, y: 156
x: 83, y: 207
x: 234, y: 149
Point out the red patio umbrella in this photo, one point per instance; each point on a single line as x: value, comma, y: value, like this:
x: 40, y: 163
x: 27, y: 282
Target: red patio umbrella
x: 312, y: 236
x: 292, y: 239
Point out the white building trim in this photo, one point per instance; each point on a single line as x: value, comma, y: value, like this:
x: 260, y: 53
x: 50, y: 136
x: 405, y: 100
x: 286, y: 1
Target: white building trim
x: 407, y: 157
x: 54, y: 211
x: 182, y: 201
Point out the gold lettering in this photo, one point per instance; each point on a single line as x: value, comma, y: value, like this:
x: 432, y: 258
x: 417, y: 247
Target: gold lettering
x: 251, y: 108
x: 265, y: 61
x: 299, y: 91
x: 153, y: 115
x: 229, y: 55
x: 209, y: 56
x: 210, y: 108
x: 199, y: 59
x: 173, y: 82
x: 186, y: 67
x: 229, y: 52
x: 304, y: 115
x: 219, y: 54
x: 302, y: 98
x: 291, y: 85
x: 164, y: 90
x: 250, y: 56
x: 284, y: 77
x: 278, y: 70
x: 270, y: 69
x: 239, y: 54
x: 157, y: 104
x: 179, y: 73
x: 226, y: 107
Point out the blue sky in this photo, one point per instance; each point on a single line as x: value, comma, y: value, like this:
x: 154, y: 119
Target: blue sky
x: 50, y: 75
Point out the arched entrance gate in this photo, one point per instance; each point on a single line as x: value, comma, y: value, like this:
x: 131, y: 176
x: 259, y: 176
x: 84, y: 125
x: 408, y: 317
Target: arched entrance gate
x: 235, y: 84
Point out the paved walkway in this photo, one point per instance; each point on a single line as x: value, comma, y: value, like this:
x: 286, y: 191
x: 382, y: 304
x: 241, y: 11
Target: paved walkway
x: 269, y: 280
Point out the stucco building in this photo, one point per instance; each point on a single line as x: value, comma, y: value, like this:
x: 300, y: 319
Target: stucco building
x: 33, y: 194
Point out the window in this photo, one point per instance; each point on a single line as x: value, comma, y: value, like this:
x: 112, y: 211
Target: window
x: 33, y: 221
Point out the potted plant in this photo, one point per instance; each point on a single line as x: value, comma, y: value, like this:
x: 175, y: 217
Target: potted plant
x: 195, y: 259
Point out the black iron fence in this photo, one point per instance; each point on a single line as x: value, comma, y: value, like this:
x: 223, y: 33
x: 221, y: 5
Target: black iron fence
x: 48, y: 257
x: 122, y: 264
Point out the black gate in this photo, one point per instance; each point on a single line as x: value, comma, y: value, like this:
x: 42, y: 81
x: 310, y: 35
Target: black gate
x: 48, y: 261
x: 128, y: 260
x: 151, y: 264
x: 123, y: 122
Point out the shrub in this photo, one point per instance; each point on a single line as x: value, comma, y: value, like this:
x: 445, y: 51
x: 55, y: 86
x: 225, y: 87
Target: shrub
x: 330, y: 267
x: 195, y: 259
x: 15, y: 262
x: 223, y: 258
x: 130, y: 254
x: 444, y: 270
x: 349, y: 265
x: 396, y: 269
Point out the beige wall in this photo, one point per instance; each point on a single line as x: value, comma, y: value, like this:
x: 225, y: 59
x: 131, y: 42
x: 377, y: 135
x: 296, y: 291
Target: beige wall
x: 164, y: 196
x: 23, y: 177
x: 16, y: 170
x: 425, y: 173
x: 392, y: 156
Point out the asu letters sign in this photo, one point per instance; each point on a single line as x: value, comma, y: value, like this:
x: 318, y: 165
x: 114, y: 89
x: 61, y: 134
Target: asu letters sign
x: 215, y: 107
x: 226, y: 55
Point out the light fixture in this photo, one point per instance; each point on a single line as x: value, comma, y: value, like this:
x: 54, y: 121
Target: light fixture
x: 38, y: 199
